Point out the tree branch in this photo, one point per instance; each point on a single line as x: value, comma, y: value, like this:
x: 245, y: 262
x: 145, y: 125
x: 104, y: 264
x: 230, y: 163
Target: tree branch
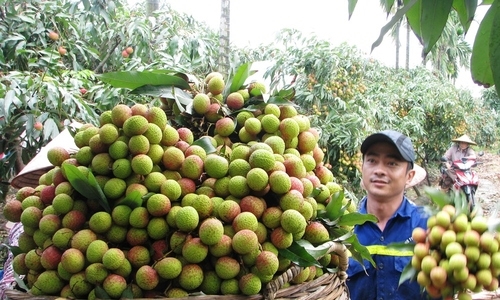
x: 106, y: 58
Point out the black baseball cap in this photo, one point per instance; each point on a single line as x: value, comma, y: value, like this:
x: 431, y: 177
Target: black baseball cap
x: 399, y: 140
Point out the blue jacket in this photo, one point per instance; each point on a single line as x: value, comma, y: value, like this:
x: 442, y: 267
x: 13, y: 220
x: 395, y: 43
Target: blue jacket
x: 381, y: 282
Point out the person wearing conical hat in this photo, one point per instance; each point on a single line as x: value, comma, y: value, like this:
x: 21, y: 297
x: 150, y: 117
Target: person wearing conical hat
x: 460, y: 149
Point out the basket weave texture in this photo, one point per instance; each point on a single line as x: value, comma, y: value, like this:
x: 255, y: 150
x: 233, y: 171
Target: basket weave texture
x: 329, y: 286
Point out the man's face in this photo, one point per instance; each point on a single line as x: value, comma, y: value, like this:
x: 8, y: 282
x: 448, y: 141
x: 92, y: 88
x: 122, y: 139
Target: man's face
x: 384, y: 171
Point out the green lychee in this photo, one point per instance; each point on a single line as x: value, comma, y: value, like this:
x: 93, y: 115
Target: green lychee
x: 216, y: 85
x: 211, y: 231
x: 120, y: 113
x: 168, y: 267
x: 227, y: 267
x: 245, y: 241
x: 190, y: 277
x: 135, y: 125
x: 108, y: 133
x: 201, y: 103
x: 73, y: 260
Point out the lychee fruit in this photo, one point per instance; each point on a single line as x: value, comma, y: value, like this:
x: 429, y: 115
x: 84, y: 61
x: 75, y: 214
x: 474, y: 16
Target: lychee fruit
x: 12, y: 210
x: 211, y: 231
x: 168, y: 267
x: 114, y: 285
x: 216, y: 85
x: 190, y: 277
x: 56, y: 155
x: 147, y: 278
x: 53, y: 35
x: 73, y: 260
x: 194, y: 250
x: 201, y: 103
x: 49, y: 283
x: 62, y: 51
x: 235, y: 101
x: 227, y: 267
x: 245, y: 241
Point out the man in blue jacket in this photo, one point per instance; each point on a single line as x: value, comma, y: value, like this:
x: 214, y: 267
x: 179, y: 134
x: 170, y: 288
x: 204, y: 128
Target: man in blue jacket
x: 388, y: 168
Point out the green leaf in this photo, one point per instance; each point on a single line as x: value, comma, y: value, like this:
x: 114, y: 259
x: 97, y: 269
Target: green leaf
x: 86, y: 186
x: 100, y: 293
x: 165, y: 91
x: 334, y: 208
x: 239, y: 78
x: 495, y: 46
x: 356, y: 218
x: 205, y: 143
x: 438, y: 197
x: 409, y: 273
x: 397, y: 16
x: 316, y: 252
x: 387, y: 5
x: 15, y: 250
x: 351, y: 7
x: 286, y: 94
x: 413, y: 17
x: 480, y: 64
x: 432, y: 21
x: 466, y: 10
x: 460, y: 202
x: 299, y: 256
x: 135, y: 79
x: 342, y: 235
x: 132, y: 200
x: 279, y: 100
x: 358, y: 251
x: 20, y: 283
x: 127, y: 293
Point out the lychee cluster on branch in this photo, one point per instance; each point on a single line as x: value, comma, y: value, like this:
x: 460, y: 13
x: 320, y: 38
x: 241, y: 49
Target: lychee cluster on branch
x: 457, y: 255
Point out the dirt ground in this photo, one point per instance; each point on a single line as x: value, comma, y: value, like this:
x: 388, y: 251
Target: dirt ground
x: 488, y: 192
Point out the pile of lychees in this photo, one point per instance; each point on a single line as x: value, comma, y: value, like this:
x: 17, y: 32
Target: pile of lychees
x: 177, y: 216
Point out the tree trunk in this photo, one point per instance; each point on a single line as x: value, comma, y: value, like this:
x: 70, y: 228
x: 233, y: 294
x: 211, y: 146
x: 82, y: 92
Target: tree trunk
x: 224, y: 33
x: 408, y: 30
x: 151, y: 6
x: 398, y: 44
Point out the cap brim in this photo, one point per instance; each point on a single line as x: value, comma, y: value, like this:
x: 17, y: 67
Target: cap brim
x: 373, y: 139
x: 419, y: 176
x: 380, y: 137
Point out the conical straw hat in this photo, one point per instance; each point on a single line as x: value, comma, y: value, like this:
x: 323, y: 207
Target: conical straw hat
x: 420, y: 175
x: 40, y: 164
x: 465, y: 139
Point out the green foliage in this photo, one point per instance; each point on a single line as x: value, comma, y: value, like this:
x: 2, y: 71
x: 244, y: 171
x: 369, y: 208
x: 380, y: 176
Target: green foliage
x: 349, y: 97
x: 38, y: 84
x: 427, y: 20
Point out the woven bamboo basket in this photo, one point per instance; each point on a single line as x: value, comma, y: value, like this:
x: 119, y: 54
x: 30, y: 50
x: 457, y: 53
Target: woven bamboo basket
x: 487, y: 295
x: 329, y: 286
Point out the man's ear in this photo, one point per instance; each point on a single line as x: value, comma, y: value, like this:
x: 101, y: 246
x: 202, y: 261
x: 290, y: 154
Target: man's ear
x: 409, y: 176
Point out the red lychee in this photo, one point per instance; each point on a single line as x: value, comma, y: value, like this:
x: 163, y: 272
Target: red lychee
x: 62, y: 51
x: 53, y: 36
x: 38, y: 126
